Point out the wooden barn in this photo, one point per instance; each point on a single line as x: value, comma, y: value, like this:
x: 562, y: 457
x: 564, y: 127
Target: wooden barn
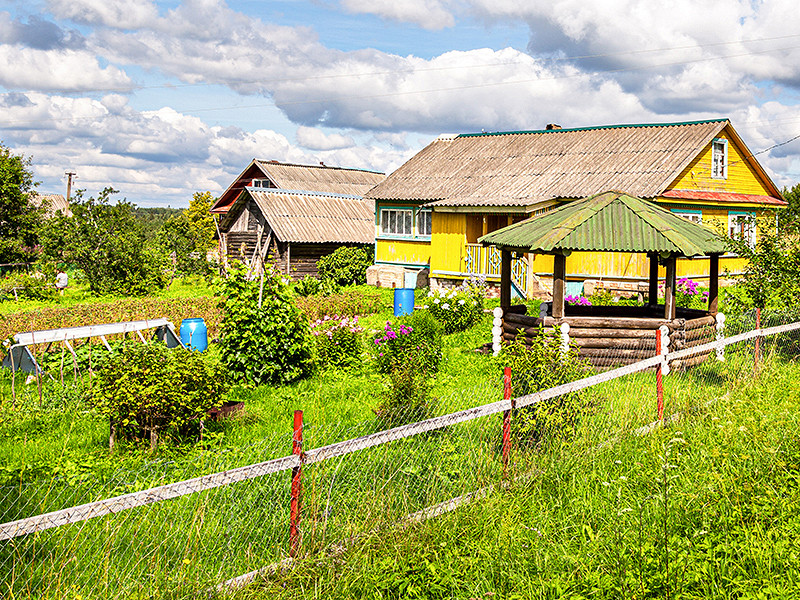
x: 293, y: 229
x: 272, y: 174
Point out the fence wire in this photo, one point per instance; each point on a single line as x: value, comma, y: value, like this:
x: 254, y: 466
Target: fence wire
x: 164, y: 530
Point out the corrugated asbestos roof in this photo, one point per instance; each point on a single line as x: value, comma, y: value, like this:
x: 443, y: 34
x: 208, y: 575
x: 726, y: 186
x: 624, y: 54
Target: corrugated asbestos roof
x: 309, y: 217
x: 331, y: 180
x: 55, y: 202
x: 609, y: 222
x: 289, y: 176
x: 525, y: 168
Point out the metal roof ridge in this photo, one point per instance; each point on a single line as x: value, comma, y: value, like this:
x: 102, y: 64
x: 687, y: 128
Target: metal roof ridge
x: 269, y: 161
x: 301, y: 192
x: 592, y: 128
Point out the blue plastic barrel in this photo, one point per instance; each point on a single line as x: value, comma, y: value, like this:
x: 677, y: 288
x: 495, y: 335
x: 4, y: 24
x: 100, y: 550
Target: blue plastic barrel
x: 403, y: 301
x: 194, y: 334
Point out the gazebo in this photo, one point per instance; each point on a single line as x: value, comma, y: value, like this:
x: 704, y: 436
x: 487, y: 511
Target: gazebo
x: 612, y: 222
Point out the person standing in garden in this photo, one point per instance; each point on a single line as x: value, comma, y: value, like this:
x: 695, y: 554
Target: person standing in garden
x: 61, y: 281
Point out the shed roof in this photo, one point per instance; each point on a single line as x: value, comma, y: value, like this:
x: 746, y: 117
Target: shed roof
x: 53, y: 202
x: 609, y: 222
x: 290, y: 176
x: 526, y: 168
x: 312, y: 217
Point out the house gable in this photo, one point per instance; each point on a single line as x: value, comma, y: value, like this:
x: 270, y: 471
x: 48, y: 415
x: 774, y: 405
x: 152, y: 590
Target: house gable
x: 743, y: 174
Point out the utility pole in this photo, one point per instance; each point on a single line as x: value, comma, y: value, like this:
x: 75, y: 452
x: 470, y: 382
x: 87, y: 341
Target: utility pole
x: 70, y: 175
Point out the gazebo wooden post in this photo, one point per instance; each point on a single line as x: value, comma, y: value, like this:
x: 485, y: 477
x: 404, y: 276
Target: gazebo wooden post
x: 505, y: 280
x: 652, y: 293
x: 559, y: 277
x: 713, y: 284
x: 669, y: 289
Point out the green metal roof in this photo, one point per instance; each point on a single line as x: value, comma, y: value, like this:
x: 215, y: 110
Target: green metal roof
x: 609, y: 222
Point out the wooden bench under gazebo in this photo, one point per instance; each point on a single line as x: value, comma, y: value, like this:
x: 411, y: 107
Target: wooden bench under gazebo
x: 612, y: 222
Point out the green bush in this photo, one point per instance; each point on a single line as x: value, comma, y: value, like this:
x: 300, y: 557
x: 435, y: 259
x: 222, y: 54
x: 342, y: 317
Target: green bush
x: 410, y: 352
x: 347, y: 265
x: 32, y: 286
x: 408, y: 397
x: 266, y: 344
x: 540, y: 366
x: 413, y: 339
x: 152, y: 387
x: 338, y: 341
x: 457, y: 309
x: 312, y: 286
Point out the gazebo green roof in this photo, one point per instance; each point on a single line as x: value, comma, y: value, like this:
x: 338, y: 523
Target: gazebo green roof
x: 608, y: 222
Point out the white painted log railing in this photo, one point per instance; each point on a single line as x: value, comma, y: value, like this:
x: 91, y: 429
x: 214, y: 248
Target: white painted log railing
x: 77, y: 514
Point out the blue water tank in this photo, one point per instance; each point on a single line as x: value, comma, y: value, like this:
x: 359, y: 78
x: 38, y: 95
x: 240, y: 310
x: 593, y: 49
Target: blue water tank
x: 194, y: 334
x: 403, y: 301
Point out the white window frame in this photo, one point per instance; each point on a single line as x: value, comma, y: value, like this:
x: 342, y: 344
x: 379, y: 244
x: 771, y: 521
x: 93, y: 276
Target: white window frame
x: 719, y: 158
x: 424, y: 222
x: 695, y: 216
x: 742, y: 225
x: 392, y: 217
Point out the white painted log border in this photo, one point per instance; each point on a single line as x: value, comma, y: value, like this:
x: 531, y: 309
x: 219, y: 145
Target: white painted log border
x: 84, y: 512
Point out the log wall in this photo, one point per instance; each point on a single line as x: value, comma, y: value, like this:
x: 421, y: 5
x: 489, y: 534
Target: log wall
x: 614, y: 341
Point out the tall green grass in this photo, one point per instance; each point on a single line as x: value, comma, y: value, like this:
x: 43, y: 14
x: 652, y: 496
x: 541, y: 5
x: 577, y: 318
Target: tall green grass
x: 706, y: 507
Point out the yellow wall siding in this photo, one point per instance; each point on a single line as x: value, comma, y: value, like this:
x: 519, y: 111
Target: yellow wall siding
x: 448, y: 236
x: 619, y: 265
x: 411, y: 252
x: 403, y: 252
x: 742, y: 179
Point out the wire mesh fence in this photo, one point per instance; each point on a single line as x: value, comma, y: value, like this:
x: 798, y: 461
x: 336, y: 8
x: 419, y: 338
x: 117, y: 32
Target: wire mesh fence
x: 165, y: 530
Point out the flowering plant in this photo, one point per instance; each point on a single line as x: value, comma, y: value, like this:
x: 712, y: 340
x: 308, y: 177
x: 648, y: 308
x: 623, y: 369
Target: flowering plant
x: 687, y: 293
x: 414, y: 339
x: 337, y: 339
x: 457, y: 309
x: 577, y: 301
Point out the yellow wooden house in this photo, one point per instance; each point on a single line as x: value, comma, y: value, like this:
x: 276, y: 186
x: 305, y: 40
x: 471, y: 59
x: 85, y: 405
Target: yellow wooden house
x: 431, y: 211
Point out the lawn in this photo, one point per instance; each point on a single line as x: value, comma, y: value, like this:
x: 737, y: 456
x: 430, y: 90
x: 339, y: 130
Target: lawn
x: 54, y: 451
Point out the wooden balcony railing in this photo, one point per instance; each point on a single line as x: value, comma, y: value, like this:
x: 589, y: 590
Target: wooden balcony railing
x: 485, y: 260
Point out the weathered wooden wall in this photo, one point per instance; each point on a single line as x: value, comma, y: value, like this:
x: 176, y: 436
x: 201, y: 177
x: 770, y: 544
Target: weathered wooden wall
x: 623, y: 335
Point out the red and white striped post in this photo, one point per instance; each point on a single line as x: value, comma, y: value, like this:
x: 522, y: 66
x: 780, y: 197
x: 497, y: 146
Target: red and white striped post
x: 297, y: 475
x: 659, y: 380
x: 758, y: 340
x: 507, y: 418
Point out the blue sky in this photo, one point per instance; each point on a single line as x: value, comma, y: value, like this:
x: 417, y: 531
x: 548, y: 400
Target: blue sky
x: 164, y: 99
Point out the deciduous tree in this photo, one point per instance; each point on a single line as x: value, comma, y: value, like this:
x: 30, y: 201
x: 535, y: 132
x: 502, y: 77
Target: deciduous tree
x: 19, y: 217
x: 106, y: 242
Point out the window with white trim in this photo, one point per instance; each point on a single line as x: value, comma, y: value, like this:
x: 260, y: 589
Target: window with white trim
x: 397, y: 221
x: 689, y: 215
x: 742, y: 226
x: 719, y: 159
x: 424, y: 221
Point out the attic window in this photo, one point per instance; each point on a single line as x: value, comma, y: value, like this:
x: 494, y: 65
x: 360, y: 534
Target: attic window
x: 719, y: 159
x: 262, y: 183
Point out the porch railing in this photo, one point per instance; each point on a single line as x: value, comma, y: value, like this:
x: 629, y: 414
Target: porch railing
x: 485, y: 260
